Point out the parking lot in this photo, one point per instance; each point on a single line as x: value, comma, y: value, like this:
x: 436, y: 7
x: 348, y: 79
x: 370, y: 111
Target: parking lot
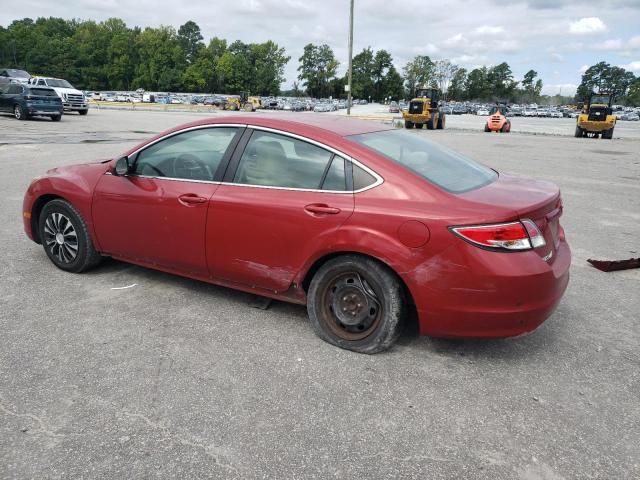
x: 173, y: 378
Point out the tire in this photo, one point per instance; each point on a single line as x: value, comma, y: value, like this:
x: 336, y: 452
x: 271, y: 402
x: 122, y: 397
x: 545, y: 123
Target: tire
x: 19, y: 112
x: 442, y: 121
x: 608, y: 134
x: 248, y: 107
x: 486, y: 128
x: 56, y: 118
x: 83, y: 112
x: 419, y: 125
x: 60, y: 222
x: 408, y: 124
x: 369, y: 301
x: 578, y: 132
x: 506, y: 128
x: 431, y: 123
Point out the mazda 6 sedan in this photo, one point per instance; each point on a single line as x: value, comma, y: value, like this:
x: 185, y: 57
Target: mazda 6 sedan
x: 368, y: 226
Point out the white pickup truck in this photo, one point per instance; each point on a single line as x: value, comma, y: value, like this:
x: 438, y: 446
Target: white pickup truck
x: 73, y: 100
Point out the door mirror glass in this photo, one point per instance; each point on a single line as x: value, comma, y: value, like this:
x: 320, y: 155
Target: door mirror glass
x: 122, y: 166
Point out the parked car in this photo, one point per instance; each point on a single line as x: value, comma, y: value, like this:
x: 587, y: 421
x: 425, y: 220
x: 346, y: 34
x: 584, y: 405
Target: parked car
x: 26, y: 101
x: 13, y: 75
x: 394, y: 108
x: 631, y: 117
x: 360, y: 221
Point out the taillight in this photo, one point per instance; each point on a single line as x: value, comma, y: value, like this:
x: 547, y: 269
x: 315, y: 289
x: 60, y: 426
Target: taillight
x: 523, y: 235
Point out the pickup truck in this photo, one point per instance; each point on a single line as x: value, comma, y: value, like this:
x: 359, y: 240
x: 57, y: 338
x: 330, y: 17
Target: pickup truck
x: 73, y: 100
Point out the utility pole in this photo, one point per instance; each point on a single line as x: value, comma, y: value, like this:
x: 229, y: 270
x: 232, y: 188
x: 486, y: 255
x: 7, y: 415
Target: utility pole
x: 350, y: 59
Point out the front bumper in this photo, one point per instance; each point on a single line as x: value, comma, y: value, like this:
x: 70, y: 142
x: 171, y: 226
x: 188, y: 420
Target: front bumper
x: 480, y: 294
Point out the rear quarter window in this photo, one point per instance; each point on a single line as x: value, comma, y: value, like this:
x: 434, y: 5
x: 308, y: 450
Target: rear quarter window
x: 444, y: 168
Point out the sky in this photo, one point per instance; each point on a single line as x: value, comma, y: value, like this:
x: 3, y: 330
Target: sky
x: 557, y: 38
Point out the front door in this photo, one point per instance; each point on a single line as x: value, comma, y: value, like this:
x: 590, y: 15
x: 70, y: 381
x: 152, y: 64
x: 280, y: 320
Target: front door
x: 157, y: 214
x: 285, y: 198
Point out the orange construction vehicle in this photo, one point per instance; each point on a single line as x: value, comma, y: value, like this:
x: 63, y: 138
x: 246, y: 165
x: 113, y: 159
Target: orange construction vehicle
x: 497, y: 120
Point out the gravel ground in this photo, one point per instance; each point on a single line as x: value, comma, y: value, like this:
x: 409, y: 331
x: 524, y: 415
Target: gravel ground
x: 173, y: 378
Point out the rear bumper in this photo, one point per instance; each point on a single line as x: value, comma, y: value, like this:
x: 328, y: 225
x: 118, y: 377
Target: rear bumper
x: 590, y: 126
x: 44, y: 109
x: 484, y: 296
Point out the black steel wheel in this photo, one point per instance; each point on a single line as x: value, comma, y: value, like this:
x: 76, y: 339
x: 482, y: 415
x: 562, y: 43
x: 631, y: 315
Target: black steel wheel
x: 356, y: 303
x: 65, y: 237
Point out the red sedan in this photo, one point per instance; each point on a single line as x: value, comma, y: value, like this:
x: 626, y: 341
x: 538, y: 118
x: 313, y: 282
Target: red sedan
x: 361, y: 222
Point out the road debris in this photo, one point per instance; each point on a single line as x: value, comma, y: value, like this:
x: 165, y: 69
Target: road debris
x: 613, y: 265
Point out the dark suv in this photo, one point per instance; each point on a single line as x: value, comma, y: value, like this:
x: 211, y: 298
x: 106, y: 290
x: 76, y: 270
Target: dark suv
x: 25, y: 101
x: 13, y: 75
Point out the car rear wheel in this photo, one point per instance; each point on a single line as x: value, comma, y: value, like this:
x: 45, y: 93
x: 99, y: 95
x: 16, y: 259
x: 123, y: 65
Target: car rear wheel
x: 65, y: 237
x: 357, y: 304
x: 20, y: 112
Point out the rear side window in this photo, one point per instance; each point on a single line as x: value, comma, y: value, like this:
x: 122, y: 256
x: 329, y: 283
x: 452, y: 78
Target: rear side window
x: 275, y: 160
x: 14, y: 89
x: 439, y: 165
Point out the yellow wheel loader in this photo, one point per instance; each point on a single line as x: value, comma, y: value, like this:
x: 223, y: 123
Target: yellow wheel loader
x: 424, y: 109
x: 596, y: 117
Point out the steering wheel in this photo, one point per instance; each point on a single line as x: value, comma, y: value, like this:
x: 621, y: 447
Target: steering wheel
x: 154, y: 168
x: 190, y: 166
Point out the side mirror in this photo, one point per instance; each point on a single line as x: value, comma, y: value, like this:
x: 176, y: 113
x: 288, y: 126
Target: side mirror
x: 122, y: 166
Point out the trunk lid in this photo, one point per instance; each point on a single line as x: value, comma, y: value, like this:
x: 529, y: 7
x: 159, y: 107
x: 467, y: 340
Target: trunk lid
x: 537, y: 200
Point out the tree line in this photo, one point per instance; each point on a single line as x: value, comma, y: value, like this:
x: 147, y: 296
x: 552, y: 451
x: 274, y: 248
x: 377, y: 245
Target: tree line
x: 109, y: 55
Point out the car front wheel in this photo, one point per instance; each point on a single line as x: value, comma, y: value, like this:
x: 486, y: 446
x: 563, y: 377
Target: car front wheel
x: 65, y: 237
x: 19, y: 113
x: 356, y: 303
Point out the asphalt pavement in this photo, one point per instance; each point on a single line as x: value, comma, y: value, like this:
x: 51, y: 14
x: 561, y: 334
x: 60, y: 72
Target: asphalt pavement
x: 125, y: 372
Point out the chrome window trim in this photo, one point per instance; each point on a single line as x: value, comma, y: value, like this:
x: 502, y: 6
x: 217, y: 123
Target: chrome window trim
x: 379, y: 179
x: 197, y: 127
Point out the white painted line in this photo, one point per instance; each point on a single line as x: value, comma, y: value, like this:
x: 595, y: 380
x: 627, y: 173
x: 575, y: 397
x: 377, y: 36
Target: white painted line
x: 122, y: 288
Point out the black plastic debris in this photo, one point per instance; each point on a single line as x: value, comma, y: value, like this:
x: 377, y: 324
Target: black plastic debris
x: 613, y: 265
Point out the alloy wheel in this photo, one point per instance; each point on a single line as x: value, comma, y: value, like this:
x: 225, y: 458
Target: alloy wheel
x: 60, y: 237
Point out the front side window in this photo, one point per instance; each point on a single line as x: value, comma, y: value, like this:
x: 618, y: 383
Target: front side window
x: 192, y: 155
x: 439, y: 165
x: 14, y: 89
x: 276, y: 160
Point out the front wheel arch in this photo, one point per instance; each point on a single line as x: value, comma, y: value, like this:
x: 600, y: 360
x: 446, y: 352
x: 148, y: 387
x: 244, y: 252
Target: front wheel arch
x: 36, y: 210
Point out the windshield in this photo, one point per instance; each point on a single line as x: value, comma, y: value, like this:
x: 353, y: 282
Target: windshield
x: 600, y: 99
x: 439, y: 165
x: 18, y: 73
x: 55, y: 82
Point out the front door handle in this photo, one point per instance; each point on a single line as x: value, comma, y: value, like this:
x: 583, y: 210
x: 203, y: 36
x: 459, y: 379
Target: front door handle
x: 322, y: 209
x: 190, y: 199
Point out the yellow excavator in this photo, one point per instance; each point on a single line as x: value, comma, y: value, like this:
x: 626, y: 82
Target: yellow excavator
x: 596, y: 117
x: 424, y: 109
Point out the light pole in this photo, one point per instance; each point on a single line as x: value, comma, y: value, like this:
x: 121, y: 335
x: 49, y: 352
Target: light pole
x: 350, y: 59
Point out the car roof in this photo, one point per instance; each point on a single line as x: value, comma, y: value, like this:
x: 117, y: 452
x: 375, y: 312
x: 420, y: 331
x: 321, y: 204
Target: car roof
x: 298, y: 123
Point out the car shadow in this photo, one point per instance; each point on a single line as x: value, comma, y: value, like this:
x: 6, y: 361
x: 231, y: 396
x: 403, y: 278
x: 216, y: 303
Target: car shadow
x: 544, y: 339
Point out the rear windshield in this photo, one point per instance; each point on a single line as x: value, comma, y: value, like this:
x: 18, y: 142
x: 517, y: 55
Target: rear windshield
x: 43, y: 92
x: 18, y: 73
x: 439, y: 165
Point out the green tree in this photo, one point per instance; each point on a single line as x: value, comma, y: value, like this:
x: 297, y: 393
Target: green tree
x: 634, y: 93
x: 162, y: 60
x: 443, y: 72
x: 531, y: 88
x: 478, y: 87
x: 500, y: 82
x: 417, y: 72
x: 318, y: 65
x: 190, y: 40
x: 269, y: 63
x: 458, y: 87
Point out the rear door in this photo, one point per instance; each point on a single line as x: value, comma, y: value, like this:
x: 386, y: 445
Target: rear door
x: 282, y: 200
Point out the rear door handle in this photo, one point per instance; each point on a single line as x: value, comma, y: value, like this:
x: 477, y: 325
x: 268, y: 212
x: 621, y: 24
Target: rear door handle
x: 189, y: 199
x: 322, y: 209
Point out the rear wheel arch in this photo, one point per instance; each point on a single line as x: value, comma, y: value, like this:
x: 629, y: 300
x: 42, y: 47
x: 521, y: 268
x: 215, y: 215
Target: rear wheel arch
x: 317, y: 264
